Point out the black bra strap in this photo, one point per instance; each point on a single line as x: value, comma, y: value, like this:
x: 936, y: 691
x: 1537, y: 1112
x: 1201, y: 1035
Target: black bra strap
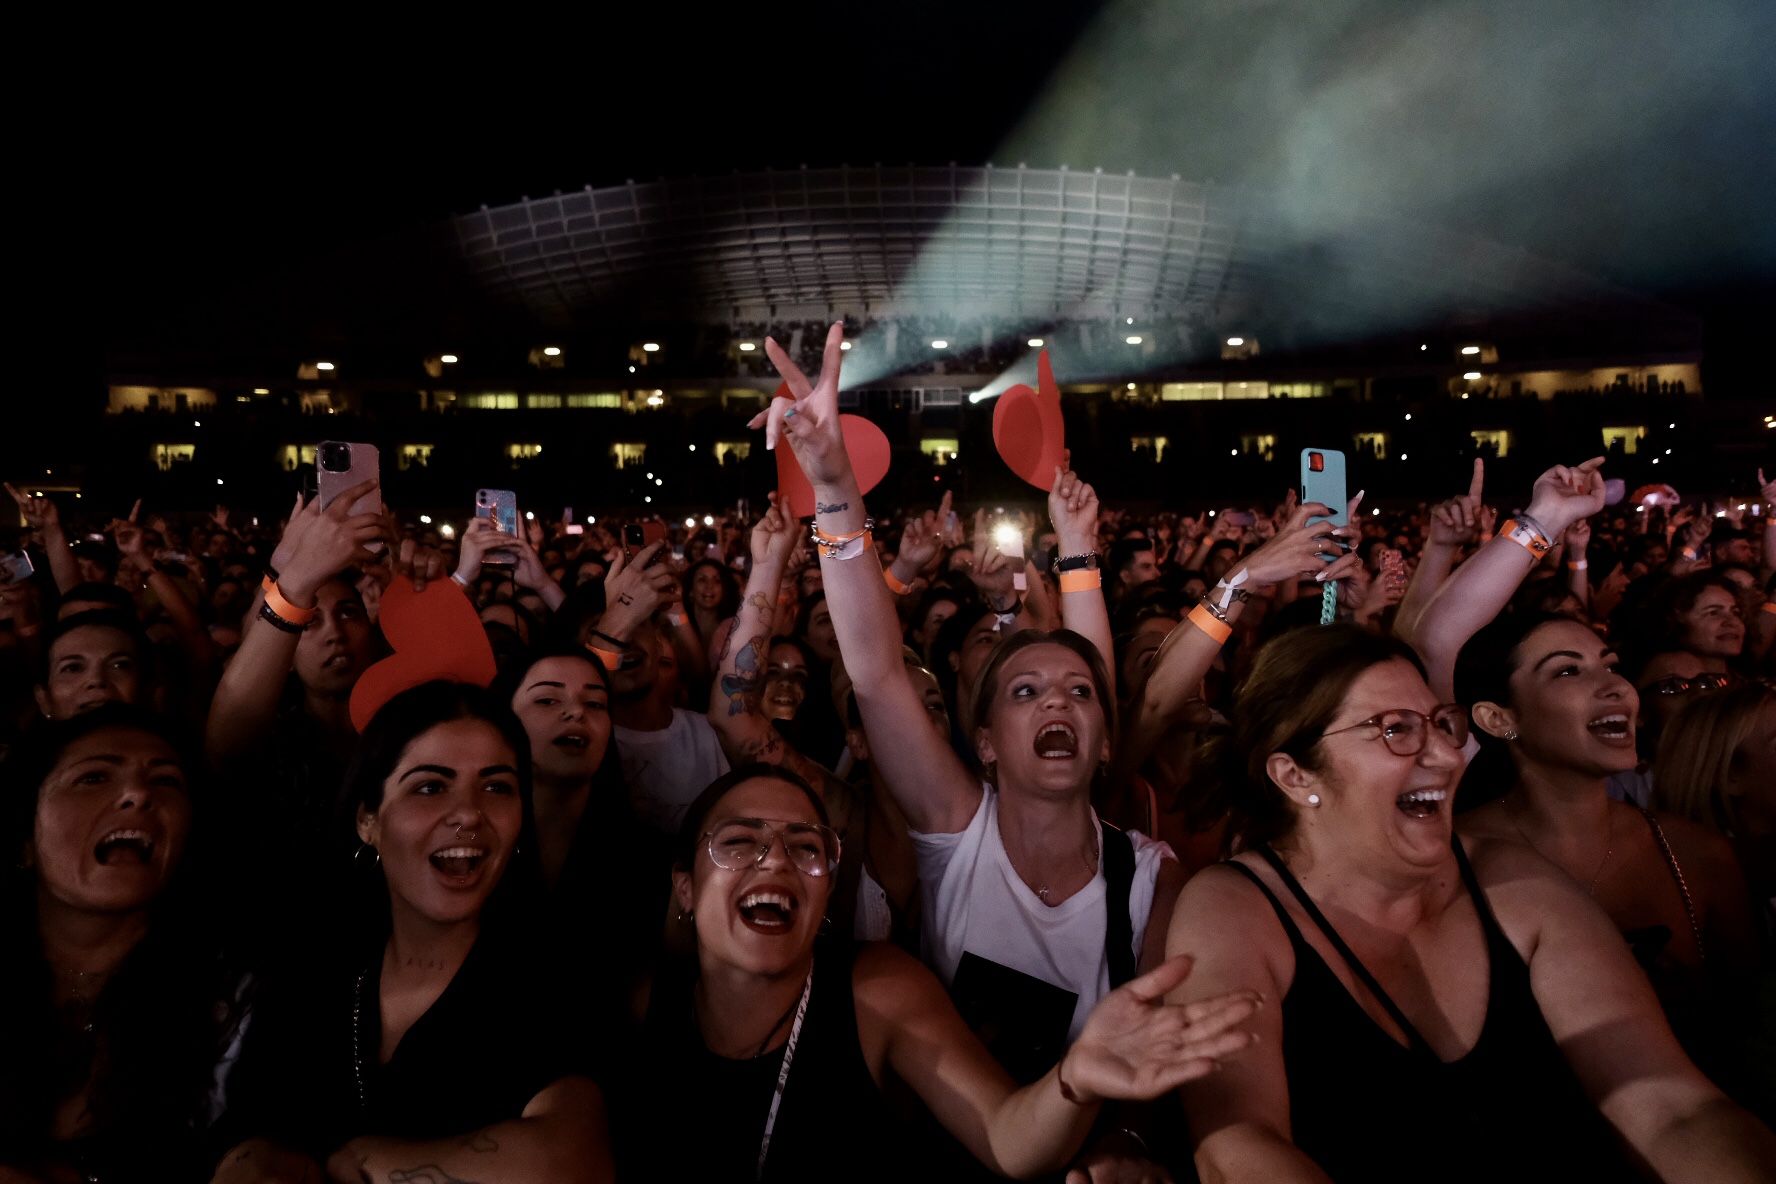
x: 1344, y: 951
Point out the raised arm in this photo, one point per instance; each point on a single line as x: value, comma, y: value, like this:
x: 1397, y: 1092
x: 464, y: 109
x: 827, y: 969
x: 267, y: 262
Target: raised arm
x: 1073, y: 508
x: 41, y: 515
x: 317, y: 545
x: 1299, y: 550
x: 1133, y: 1047
x: 132, y: 545
x: 1481, y: 588
x: 1578, y: 568
x: 1454, y: 524
x: 927, y: 779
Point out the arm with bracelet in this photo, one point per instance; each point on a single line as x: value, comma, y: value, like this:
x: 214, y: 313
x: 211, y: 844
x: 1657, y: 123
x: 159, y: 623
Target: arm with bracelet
x: 1481, y: 587
x: 316, y: 546
x: 1301, y: 549
x: 633, y: 592
x: 1454, y: 524
x: 1578, y: 568
x: 926, y: 777
x: 1073, y: 508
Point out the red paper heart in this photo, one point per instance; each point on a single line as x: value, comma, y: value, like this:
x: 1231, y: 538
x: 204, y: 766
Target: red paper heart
x: 1028, y: 430
x: 865, y: 444
x: 435, y: 634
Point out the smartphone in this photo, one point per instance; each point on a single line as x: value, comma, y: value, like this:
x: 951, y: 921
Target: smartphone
x: 1241, y: 517
x: 1008, y: 539
x: 574, y: 528
x: 15, y: 568
x: 1322, y: 480
x: 339, y: 466
x: 500, y: 506
x: 634, y: 538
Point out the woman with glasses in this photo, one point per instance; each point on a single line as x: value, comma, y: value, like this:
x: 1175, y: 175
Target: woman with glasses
x: 771, y: 1063
x: 1444, y: 1008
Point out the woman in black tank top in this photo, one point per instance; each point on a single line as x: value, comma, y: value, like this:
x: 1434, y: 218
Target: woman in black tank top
x: 769, y: 1065
x: 1437, y: 1017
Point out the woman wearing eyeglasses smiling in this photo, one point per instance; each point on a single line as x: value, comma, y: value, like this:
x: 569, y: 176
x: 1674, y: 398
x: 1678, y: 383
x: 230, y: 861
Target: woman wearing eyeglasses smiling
x: 771, y: 1065
x: 1450, y: 1010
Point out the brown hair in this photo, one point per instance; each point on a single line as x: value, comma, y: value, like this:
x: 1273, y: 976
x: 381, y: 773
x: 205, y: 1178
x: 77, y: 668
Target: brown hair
x: 987, y: 687
x: 1699, y: 748
x: 1297, y: 686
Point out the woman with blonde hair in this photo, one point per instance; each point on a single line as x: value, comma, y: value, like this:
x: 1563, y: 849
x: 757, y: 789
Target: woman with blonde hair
x: 1717, y: 766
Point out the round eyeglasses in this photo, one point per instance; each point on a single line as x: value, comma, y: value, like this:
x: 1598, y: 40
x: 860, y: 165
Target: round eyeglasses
x: 1405, y: 731
x: 740, y: 843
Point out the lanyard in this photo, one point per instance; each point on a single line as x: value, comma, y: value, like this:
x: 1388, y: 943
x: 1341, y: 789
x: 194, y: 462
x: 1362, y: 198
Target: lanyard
x: 795, y: 1032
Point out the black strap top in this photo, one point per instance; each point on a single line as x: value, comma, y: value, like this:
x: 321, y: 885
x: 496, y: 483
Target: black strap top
x: 1366, y: 1108
x: 699, y: 1116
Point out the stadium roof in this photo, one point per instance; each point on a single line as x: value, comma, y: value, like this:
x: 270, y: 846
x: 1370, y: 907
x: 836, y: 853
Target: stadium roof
x: 1047, y: 243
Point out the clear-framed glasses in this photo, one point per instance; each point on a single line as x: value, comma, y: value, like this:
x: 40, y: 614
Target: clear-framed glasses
x: 1677, y: 684
x: 740, y: 843
x: 1405, y: 731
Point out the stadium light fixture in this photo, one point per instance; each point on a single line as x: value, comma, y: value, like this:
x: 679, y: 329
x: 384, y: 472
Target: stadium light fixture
x: 447, y: 530
x: 1422, y: 348
x: 1233, y: 452
x: 530, y: 515
x: 323, y: 365
x: 1131, y: 386
x: 661, y: 481
x: 1469, y: 351
x: 1133, y: 339
x: 197, y: 423
x: 1402, y: 456
x: 1409, y: 417
x: 1472, y: 376
x: 845, y: 345
x: 1131, y: 320
x: 693, y: 448
x: 709, y: 520
x: 1673, y: 426
x: 260, y: 390
x: 425, y: 519
x: 648, y: 500
x: 940, y: 343
x: 551, y: 351
x: 448, y: 359
x: 652, y: 347
x: 747, y: 347
x: 1655, y: 460
x: 690, y: 523
x: 1034, y: 343
x: 1236, y: 342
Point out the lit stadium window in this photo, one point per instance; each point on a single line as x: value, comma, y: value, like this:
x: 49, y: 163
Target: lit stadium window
x: 1236, y: 342
x: 551, y: 351
x: 940, y: 343
x: 652, y: 347
x: 448, y: 359
x: 1132, y: 340
x: 747, y: 347
x: 1034, y: 343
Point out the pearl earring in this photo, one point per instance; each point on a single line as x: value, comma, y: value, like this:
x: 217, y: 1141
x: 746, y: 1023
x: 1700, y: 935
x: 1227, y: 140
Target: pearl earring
x: 1313, y: 799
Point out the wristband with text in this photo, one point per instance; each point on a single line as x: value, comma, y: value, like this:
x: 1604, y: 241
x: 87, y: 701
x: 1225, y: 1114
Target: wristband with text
x: 1526, y: 536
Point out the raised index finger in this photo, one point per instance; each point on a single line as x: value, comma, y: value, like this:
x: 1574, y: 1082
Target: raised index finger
x: 1476, y: 485
x: 135, y: 509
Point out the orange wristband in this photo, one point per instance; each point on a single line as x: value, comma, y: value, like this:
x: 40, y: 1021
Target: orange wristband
x: 1086, y: 579
x: 1218, y: 630
x: 893, y: 582
x: 608, y: 658
x: 282, y: 606
x: 1769, y: 607
x: 1530, y: 539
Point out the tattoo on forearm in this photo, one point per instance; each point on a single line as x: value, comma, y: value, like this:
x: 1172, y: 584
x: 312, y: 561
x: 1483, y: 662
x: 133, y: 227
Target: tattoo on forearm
x: 483, y: 1142
x: 767, y: 749
x: 822, y: 508
x: 741, y: 685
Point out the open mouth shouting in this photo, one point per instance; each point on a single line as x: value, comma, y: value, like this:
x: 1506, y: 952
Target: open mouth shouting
x: 1421, y: 803
x: 1615, y: 729
x: 1057, y: 742
x: 124, y: 847
x: 768, y: 910
x: 460, y: 866
x: 573, y: 741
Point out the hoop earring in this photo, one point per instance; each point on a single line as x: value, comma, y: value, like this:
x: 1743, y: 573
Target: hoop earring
x: 358, y: 855
x: 1313, y: 799
x: 687, y: 914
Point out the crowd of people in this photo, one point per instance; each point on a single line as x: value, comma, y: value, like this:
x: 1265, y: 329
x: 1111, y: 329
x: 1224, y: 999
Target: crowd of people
x: 1296, y: 842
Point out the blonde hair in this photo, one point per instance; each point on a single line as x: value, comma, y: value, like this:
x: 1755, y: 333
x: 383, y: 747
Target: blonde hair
x: 1697, y: 749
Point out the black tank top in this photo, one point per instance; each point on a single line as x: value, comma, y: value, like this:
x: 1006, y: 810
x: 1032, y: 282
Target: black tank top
x: 1365, y: 1108
x: 699, y: 1116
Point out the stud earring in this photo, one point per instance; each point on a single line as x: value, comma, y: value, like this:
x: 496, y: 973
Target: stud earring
x: 1511, y: 735
x: 1313, y: 799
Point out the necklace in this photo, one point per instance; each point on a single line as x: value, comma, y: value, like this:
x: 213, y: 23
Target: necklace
x: 1091, y: 865
x: 1608, y: 848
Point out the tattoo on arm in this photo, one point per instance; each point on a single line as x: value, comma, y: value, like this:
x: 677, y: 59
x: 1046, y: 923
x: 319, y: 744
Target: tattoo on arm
x: 425, y: 1173
x: 482, y: 1141
x: 741, y: 685
x: 822, y: 508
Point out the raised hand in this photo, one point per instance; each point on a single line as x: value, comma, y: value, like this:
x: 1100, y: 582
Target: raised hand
x: 131, y: 543
x: 811, y: 420
x: 1564, y: 495
x: 1073, y: 508
x: 1456, y: 522
x: 1766, y: 490
x: 1135, y: 1047
x: 479, y: 536
x: 918, y: 545
x: 39, y: 512
x: 773, y: 537
x: 633, y: 591
x: 323, y: 543
x: 1578, y: 537
x: 1303, y: 548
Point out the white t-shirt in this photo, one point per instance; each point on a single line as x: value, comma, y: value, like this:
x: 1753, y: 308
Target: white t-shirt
x: 976, y: 904
x: 667, y: 769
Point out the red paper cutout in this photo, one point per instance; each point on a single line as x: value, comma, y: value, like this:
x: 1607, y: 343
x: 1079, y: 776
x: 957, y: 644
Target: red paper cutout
x: 1028, y: 430
x: 435, y: 634
x: 865, y: 444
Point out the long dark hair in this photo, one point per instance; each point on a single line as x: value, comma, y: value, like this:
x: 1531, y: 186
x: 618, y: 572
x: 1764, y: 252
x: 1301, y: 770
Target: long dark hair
x: 690, y: 831
x: 395, y: 726
x: 154, y: 1019
x: 1483, y: 672
x: 730, y: 600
